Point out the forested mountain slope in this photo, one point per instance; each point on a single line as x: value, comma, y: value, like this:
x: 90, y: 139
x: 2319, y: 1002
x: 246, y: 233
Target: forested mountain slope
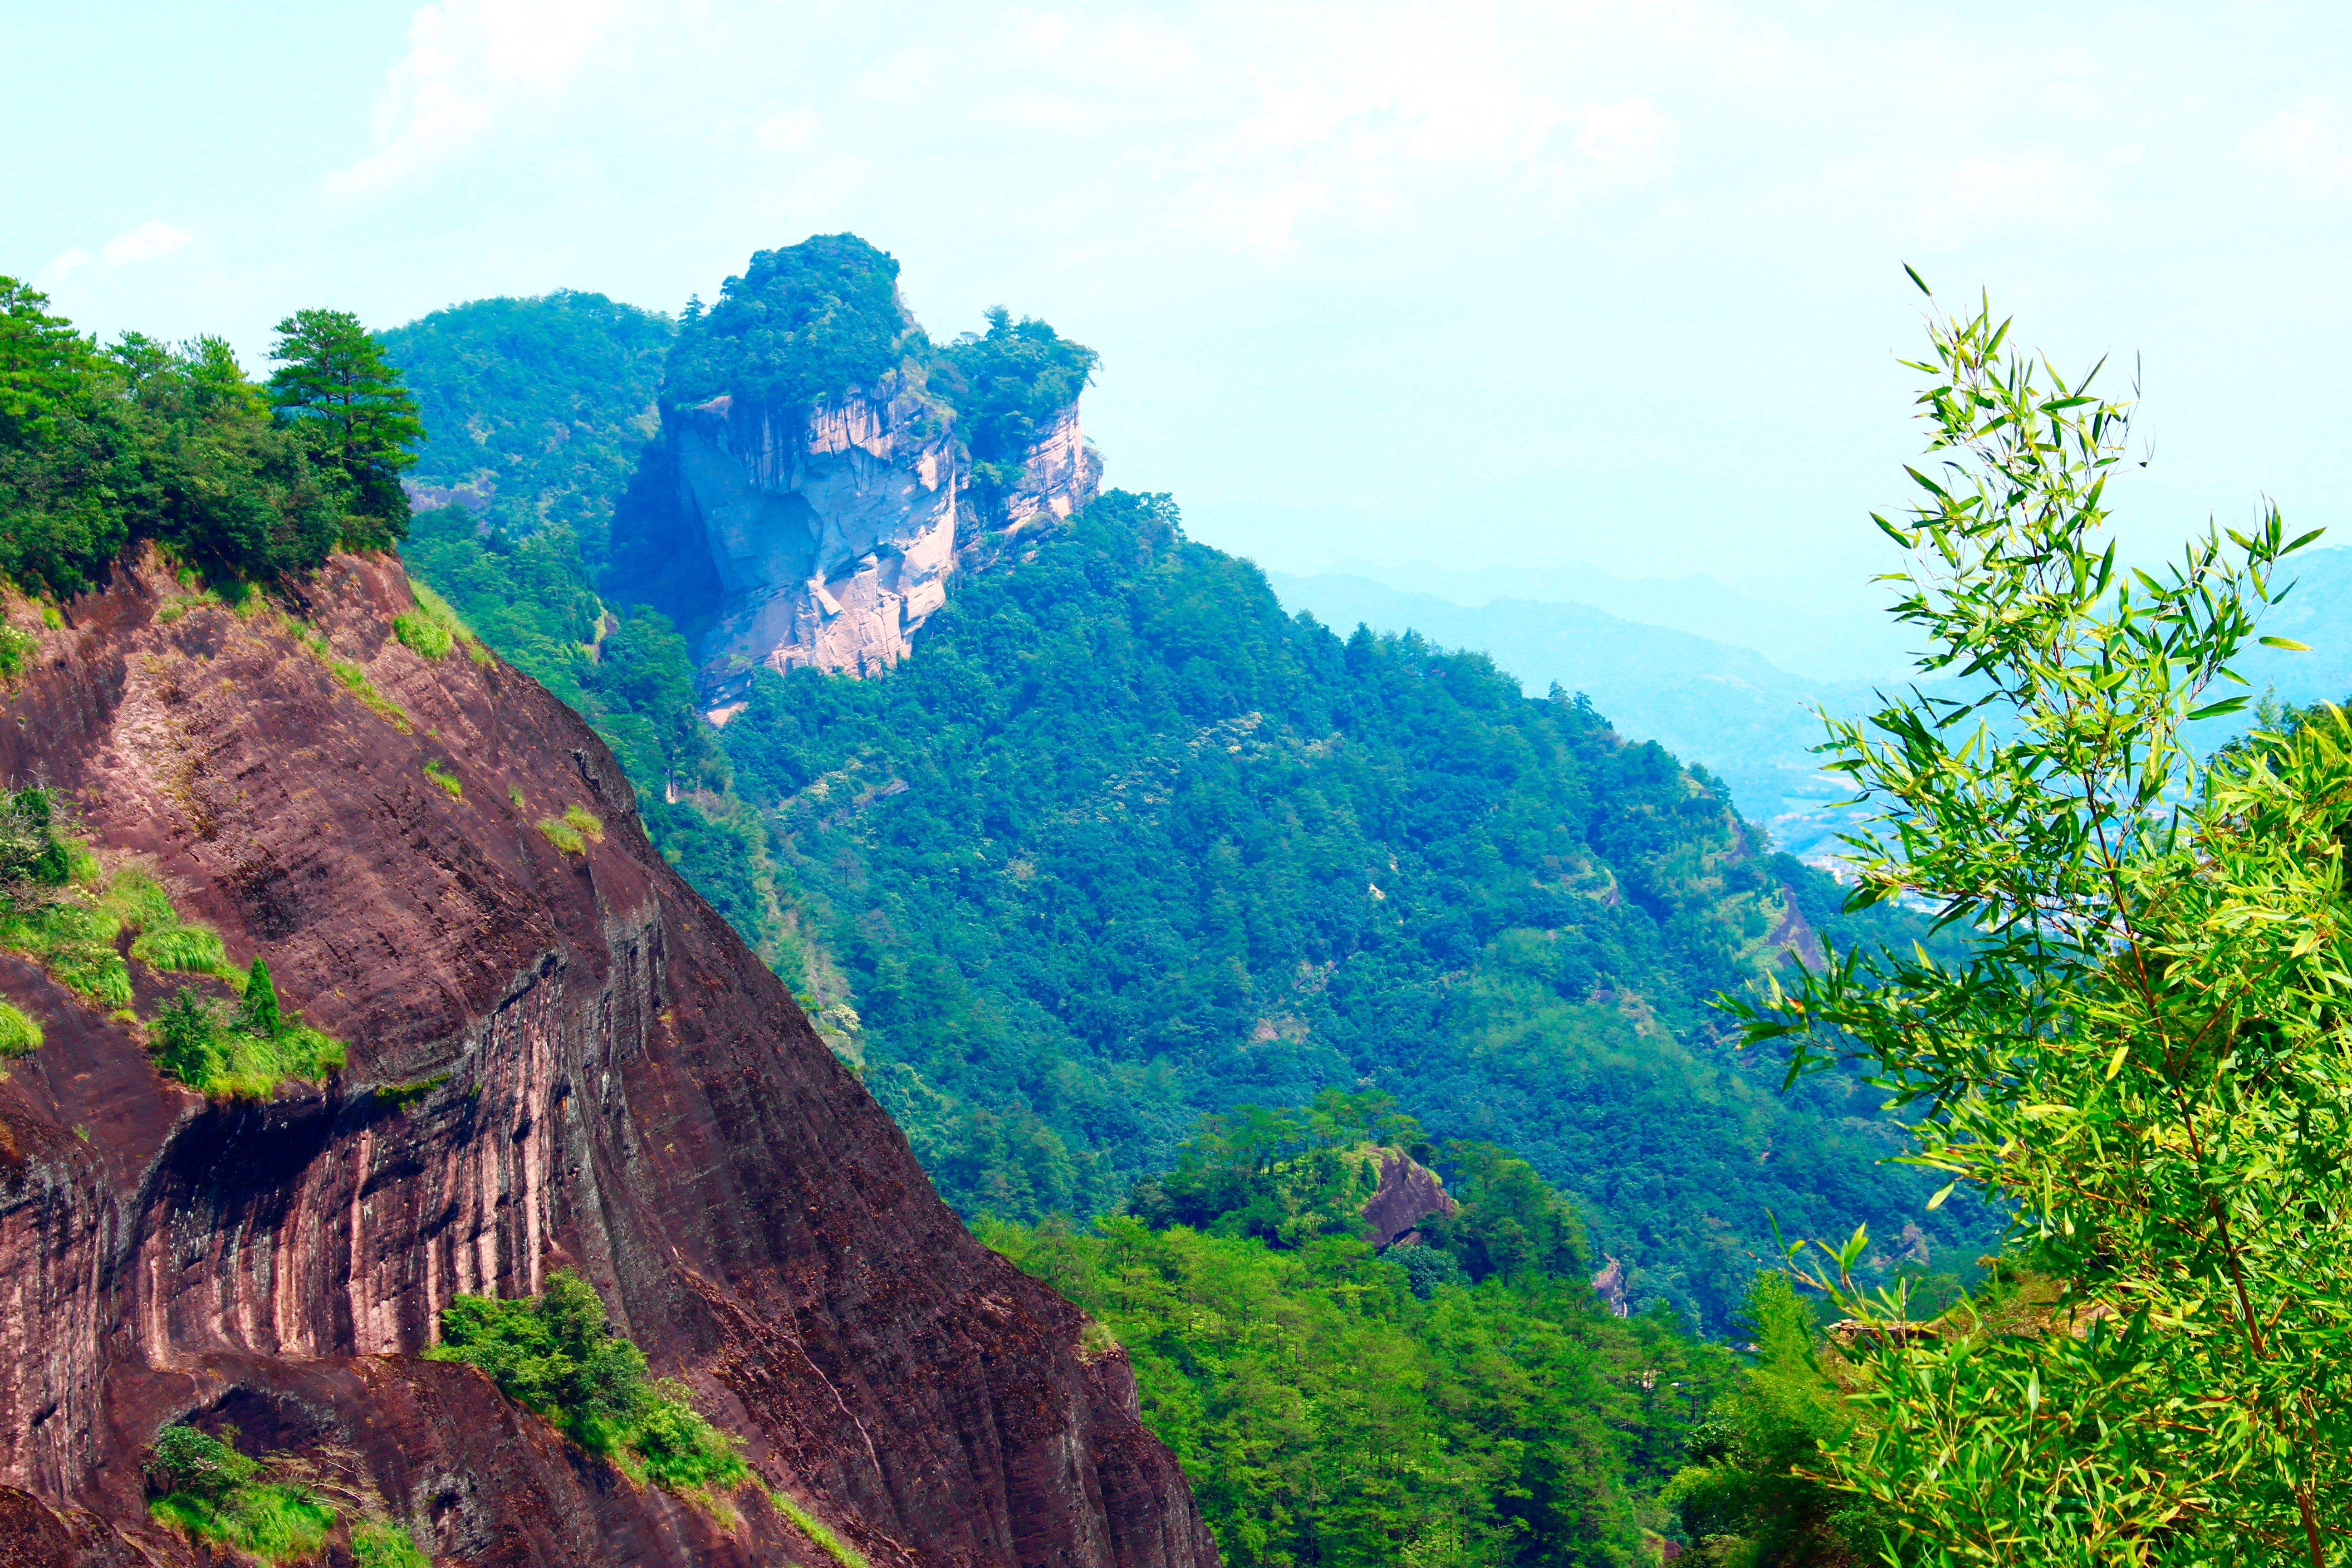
x: 1121, y: 843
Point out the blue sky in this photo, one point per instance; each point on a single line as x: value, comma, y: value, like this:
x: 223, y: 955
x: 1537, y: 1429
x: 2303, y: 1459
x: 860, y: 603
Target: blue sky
x: 1466, y: 284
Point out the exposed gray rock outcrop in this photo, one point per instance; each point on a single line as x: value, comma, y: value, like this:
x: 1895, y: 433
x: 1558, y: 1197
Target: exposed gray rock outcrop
x: 1409, y: 1193
x: 833, y: 532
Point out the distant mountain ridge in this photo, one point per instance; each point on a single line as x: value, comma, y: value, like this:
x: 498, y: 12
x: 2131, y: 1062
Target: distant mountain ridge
x: 1728, y: 708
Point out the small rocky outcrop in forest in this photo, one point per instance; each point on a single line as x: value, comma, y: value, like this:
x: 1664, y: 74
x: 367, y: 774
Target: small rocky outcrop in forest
x: 1409, y: 1193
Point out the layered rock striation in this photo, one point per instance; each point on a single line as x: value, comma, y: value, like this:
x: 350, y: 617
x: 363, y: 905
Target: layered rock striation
x: 832, y: 529
x: 555, y: 1059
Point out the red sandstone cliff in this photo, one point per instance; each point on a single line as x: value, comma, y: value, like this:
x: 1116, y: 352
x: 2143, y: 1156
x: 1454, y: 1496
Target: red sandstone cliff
x: 628, y: 1092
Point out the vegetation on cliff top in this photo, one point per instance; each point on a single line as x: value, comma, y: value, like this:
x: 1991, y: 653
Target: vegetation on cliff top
x: 807, y: 321
x: 537, y: 410
x: 102, y: 447
x: 556, y: 1354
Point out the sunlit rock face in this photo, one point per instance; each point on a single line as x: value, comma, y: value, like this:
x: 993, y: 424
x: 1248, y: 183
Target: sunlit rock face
x: 1062, y: 475
x: 834, y: 531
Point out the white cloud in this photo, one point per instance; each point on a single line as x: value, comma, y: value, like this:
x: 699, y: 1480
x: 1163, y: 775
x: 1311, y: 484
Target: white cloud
x: 1627, y: 144
x: 2307, y: 143
x: 67, y: 264
x: 150, y: 241
x: 787, y: 131
x: 470, y: 64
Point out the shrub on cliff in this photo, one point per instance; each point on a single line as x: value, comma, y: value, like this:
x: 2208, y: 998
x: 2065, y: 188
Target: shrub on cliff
x: 102, y: 447
x: 556, y: 1354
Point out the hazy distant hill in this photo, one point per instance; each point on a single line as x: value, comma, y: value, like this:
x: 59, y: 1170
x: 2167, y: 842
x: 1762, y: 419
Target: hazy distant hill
x: 1829, y: 627
x: 1729, y: 709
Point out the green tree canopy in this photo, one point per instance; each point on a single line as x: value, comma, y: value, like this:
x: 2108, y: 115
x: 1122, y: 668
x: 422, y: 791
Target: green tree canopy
x: 337, y: 387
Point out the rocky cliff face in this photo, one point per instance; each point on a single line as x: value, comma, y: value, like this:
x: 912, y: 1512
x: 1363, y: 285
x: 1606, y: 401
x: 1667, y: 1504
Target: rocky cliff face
x: 1409, y: 1193
x: 597, y: 1075
x: 833, y: 534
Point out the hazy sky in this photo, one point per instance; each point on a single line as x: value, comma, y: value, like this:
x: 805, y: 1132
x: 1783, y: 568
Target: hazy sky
x: 1466, y: 283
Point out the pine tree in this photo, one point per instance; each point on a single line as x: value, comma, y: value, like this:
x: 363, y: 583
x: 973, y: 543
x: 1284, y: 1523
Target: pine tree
x: 261, y: 1013
x: 334, y: 385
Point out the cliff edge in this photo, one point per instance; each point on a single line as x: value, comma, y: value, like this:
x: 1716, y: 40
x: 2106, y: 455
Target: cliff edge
x: 558, y: 1056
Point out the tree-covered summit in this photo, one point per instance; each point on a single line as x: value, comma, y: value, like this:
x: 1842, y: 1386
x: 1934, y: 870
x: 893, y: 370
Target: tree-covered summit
x: 807, y: 321
x: 537, y: 410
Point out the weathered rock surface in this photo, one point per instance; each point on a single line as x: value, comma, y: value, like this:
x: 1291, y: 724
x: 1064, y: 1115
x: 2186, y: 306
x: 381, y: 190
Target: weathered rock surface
x: 833, y: 533
x: 1409, y: 1193
x: 602, y: 1078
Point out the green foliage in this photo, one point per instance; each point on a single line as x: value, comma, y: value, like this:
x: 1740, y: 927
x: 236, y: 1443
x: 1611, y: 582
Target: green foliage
x: 18, y: 650
x: 1122, y: 844
x: 380, y: 1543
x: 526, y: 597
x: 401, y: 1096
x: 1752, y: 1494
x: 539, y: 409
x: 146, y: 440
x: 61, y: 907
x: 18, y: 1032
x: 808, y: 321
x: 354, y: 680
x: 562, y: 835
x: 214, y: 1493
x: 1327, y: 1412
x: 556, y: 1354
x: 346, y: 400
x: 244, y: 1053
x: 1006, y: 386
x: 424, y: 634
x: 43, y: 362
x: 2142, y: 1058
x: 817, y: 1529
x: 260, y: 1012
x: 584, y: 822
x: 448, y: 783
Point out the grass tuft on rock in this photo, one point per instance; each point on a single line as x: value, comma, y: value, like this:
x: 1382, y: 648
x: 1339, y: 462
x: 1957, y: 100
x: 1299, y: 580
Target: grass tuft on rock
x: 426, y: 636
x: 380, y: 1543
x: 562, y: 835
x: 585, y: 823
x: 17, y: 651
x: 817, y: 1529
x: 65, y: 908
x: 438, y: 771
x: 240, y: 1054
x: 556, y: 1354
x: 18, y: 1032
x: 214, y: 1494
